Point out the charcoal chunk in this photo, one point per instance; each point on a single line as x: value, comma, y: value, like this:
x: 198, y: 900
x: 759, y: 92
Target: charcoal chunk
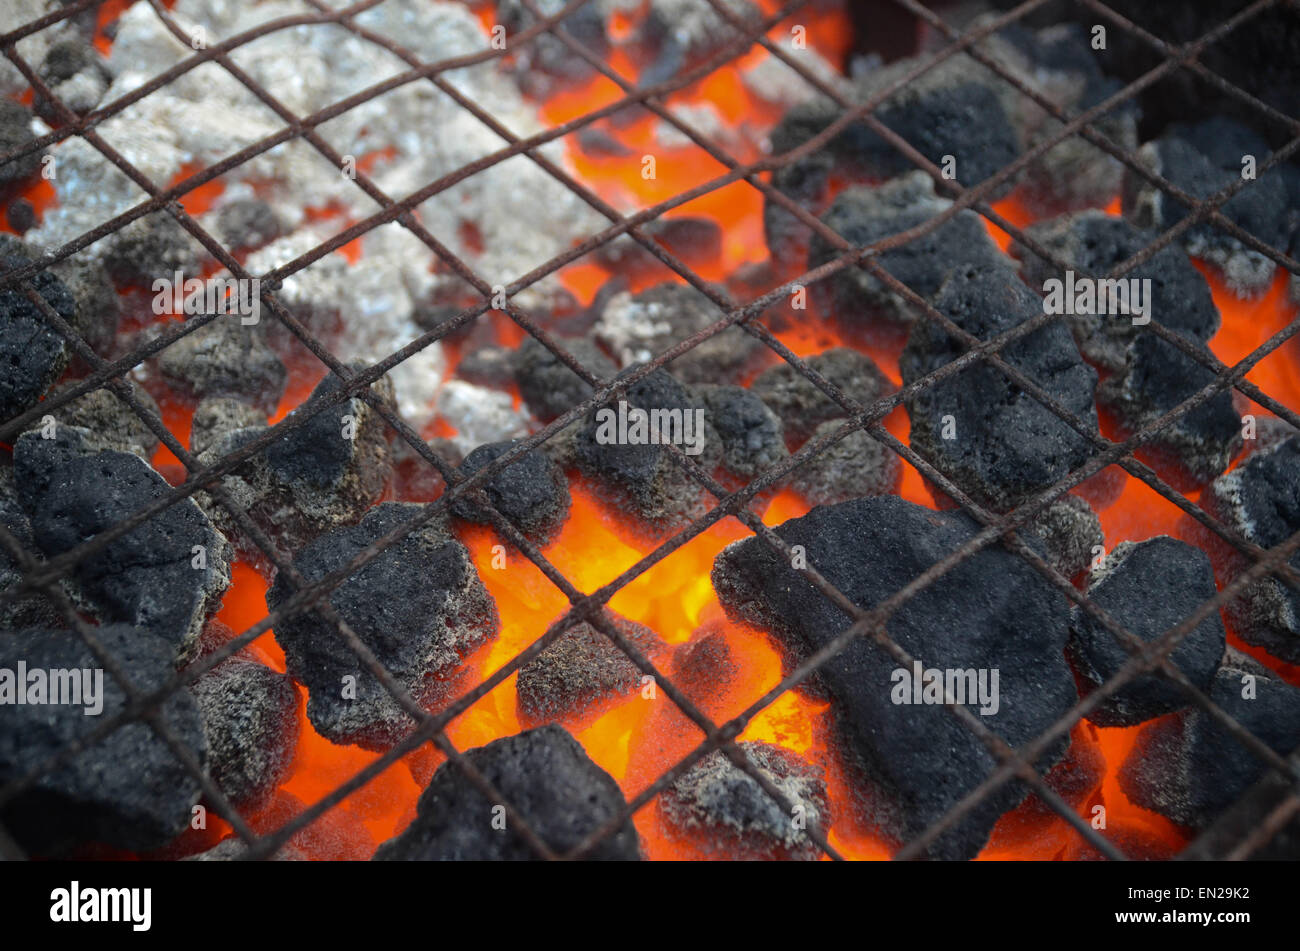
x: 706, y: 664
x: 1060, y: 64
x: 225, y: 358
x: 166, y: 575
x: 1069, y: 530
x: 250, y: 719
x: 802, y: 406
x: 128, y: 790
x: 1189, y: 768
x: 65, y: 58
x: 109, y: 422
x: 1202, y: 160
x: 997, y: 443
x: 1149, y: 376
x: 547, y: 54
x: 544, y: 774
x: 692, y: 239
x: 32, y: 352
x: 863, y: 216
x: 753, y: 439
x: 324, y: 473
x: 1270, y: 431
x: 1147, y: 587
x: 725, y: 813
x: 249, y: 223
x: 1155, y: 379
x: 217, y: 416
x: 150, y: 248
x: 95, y: 307
x: 637, y: 328
x: 855, y: 466
x: 950, y: 110
x: 991, y: 612
x: 15, y: 133
x: 641, y: 475
x: 1261, y: 500
x: 33, y: 608
x: 76, y: 76
x: 550, y: 388
x: 531, y: 492
x: 581, y: 669
x: 1095, y: 243
x: 683, y: 33
x: 95, y: 299
x: 1260, y: 55
x: 419, y: 606
x: 21, y: 215
x: 487, y: 366
x: 971, y: 122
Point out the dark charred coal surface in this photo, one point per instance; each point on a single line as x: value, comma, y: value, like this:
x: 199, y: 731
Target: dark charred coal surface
x: 1259, y: 56
x: 153, y: 247
x: 683, y: 33
x: 15, y: 133
x: 1202, y: 159
x: 948, y: 116
x: 106, y: 421
x: 166, y: 576
x: 1157, y: 378
x: 218, y: 416
x: 549, y: 387
x: 32, y: 353
x: 419, y: 606
x: 1189, y: 768
x: 545, y: 775
x: 248, y: 223
x: 1261, y: 500
x: 642, y: 475
x: 531, y: 493
x: 1148, y: 588
x: 128, y: 790
x: 547, y: 55
x: 31, y: 609
x: 996, y: 442
x: 225, y: 358
x: 1095, y: 243
x: 863, y: 216
x: 753, y: 438
x: 992, y: 611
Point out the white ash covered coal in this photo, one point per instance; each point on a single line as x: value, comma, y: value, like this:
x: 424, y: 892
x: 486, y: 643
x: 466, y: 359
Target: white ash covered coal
x: 522, y: 215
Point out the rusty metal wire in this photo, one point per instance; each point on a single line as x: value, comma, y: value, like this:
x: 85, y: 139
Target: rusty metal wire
x: 45, y: 576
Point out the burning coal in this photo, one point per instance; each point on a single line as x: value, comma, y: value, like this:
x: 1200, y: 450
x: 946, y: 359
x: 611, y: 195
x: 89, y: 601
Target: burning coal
x: 669, y: 429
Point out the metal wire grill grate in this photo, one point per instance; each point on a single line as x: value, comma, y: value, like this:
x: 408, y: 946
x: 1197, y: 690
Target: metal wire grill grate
x: 1013, y: 763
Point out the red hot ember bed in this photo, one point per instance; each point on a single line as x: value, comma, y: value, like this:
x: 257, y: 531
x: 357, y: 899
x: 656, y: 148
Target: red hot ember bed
x: 649, y: 429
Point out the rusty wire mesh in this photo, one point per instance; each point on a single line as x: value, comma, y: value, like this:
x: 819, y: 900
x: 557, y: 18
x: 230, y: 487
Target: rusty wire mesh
x: 1013, y: 763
